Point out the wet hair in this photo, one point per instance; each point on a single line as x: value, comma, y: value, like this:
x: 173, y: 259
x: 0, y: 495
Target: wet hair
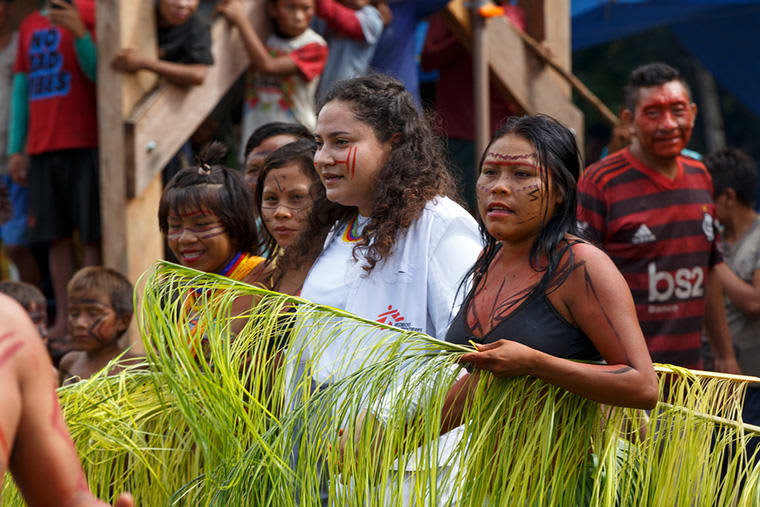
x: 276, y: 128
x: 106, y: 281
x: 732, y: 168
x: 651, y: 74
x: 301, y: 153
x: 414, y: 174
x: 558, y: 154
x: 25, y: 294
x: 218, y: 189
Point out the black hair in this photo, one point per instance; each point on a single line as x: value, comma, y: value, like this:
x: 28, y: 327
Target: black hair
x: 558, y: 154
x: 414, y: 173
x: 218, y: 189
x: 108, y: 281
x: 732, y: 168
x: 276, y: 128
x: 300, y: 152
x: 25, y: 294
x: 651, y: 74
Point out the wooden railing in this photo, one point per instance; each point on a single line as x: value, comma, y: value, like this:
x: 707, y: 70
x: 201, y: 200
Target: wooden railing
x: 144, y: 121
x: 518, y: 73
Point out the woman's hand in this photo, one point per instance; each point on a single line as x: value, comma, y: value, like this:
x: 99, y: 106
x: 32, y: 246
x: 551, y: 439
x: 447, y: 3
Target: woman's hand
x: 503, y: 358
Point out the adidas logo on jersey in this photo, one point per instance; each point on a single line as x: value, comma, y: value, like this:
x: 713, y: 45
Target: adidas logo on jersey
x: 643, y: 235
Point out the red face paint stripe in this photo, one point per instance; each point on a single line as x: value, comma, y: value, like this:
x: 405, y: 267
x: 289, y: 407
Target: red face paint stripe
x: 501, y: 156
x: 56, y: 420
x: 353, y: 163
x: 4, y: 448
x: 9, y: 352
x: 6, y: 336
x: 190, y: 214
x: 505, y: 163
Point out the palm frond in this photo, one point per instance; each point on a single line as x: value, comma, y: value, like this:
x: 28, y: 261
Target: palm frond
x: 254, y: 418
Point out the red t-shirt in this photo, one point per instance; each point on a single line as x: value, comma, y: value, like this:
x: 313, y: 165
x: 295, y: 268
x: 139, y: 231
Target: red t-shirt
x: 661, y: 235
x: 62, y: 110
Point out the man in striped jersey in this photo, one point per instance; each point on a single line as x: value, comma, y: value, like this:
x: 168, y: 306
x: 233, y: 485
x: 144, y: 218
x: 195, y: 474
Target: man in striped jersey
x: 651, y: 210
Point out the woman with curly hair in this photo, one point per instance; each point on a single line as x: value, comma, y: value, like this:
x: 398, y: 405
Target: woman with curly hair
x: 398, y: 246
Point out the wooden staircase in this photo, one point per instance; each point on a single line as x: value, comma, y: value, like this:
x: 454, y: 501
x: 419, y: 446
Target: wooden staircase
x: 144, y: 122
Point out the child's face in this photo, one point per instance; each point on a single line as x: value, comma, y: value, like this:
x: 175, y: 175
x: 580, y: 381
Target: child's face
x: 176, y: 12
x: 93, y: 323
x: 292, y: 16
x: 254, y: 162
x: 199, y: 240
x: 286, y: 203
x: 38, y: 314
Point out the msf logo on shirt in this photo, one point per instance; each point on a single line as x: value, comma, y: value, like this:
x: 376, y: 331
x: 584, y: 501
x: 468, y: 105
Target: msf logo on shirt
x: 46, y: 79
x: 685, y: 283
x: 391, y: 317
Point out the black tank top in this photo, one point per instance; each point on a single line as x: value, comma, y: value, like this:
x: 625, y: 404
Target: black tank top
x: 535, y: 323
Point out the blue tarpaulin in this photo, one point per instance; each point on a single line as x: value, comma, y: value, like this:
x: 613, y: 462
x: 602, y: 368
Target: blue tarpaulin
x: 719, y: 33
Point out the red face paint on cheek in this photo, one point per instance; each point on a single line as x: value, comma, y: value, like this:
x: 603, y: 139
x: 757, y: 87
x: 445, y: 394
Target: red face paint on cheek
x: 664, y: 119
x: 350, y: 162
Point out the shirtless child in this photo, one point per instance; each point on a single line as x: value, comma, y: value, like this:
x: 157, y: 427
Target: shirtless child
x: 34, y: 442
x: 100, y: 309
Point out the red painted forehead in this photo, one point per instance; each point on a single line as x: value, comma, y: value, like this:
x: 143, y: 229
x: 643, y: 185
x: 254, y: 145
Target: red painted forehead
x: 665, y: 95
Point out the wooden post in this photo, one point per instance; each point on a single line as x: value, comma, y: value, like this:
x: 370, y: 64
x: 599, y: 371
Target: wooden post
x: 516, y: 71
x: 131, y: 240
x: 548, y: 21
x: 134, y: 109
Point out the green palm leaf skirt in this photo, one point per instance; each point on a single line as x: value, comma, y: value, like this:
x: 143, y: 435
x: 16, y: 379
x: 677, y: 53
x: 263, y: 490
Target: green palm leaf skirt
x: 255, y: 420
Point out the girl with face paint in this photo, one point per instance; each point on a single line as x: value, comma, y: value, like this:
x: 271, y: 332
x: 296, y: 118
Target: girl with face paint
x: 286, y: 190
x: 205, y: 215
x: 540, y: 295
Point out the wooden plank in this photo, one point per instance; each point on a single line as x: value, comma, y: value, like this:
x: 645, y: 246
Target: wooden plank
x: 131, y: 239
x: 163, y: 122
x: 113, y: 183
x: 517, y: 73
x: 138, y: 22
x: 569, y: 78
x: 548, y: 22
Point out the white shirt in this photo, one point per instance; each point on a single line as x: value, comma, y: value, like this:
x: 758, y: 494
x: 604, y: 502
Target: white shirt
x: 416, y: 288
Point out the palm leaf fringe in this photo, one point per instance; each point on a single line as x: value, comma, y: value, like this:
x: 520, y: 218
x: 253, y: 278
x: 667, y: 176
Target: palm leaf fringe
x: 255, y: 420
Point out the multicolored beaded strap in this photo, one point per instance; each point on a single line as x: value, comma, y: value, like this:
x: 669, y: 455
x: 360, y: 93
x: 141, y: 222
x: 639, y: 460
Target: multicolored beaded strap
x: 351, y: 234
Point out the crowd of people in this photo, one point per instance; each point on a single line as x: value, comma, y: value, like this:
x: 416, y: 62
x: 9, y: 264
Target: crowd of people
x: 346, y: 197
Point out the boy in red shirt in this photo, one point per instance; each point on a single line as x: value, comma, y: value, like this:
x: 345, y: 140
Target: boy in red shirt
x: 54, y: 122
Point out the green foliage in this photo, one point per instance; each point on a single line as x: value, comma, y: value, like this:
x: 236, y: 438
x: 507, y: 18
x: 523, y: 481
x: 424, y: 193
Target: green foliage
x: 256, y: 420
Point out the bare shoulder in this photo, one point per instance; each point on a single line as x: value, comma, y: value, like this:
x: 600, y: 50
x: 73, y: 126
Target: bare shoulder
x: 68, y: 366
x: 592, y: 268
x: 68, y: 360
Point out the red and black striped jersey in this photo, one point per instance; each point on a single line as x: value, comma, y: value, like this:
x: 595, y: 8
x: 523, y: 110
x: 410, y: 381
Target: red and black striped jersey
x: 661, y: 235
